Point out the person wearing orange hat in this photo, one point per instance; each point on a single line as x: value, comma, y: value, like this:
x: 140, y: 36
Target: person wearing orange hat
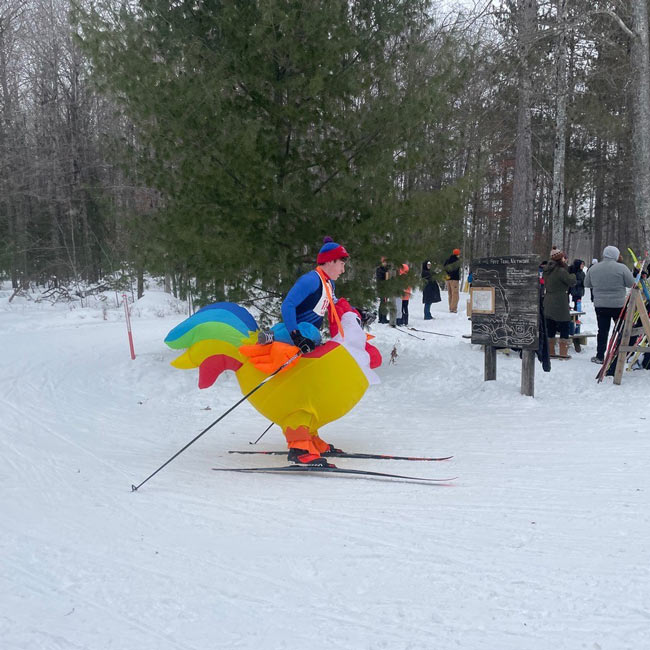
x: 452, y: 268
x: 404, y: 301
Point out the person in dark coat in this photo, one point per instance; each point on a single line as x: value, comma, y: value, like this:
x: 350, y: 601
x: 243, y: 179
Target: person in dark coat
x: 452, y: 267
x: 557, y: 281
x: 430, y: 290
x: 578, y: 289
x: 382, y: 274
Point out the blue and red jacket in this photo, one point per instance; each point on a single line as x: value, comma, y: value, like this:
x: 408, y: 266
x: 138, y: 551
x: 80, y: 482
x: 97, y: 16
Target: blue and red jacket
x: 307, y: 301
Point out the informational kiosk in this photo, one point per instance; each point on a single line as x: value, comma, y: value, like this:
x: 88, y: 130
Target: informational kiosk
x: 504, y: 302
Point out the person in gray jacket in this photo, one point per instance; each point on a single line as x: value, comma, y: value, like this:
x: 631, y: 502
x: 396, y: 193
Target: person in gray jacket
x: 609, y: 280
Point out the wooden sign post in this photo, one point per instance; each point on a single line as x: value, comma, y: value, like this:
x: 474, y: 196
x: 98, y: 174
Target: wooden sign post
x: 504, y: 300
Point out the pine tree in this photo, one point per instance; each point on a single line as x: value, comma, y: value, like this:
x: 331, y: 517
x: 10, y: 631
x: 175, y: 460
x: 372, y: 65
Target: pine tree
x: 268, y: 124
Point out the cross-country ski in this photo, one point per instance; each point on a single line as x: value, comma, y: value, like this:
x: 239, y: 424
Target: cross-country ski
x: 342, y: 454
x: 331, y: 469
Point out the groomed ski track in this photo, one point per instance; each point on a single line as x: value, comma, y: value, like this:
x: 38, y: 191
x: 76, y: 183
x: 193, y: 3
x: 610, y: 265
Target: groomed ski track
x: 541, y: 543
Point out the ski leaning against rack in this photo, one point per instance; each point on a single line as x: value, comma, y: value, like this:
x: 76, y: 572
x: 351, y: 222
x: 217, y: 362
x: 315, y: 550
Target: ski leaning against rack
x: 613, y: 343
x: 344, y: 454
x: 330, y: 469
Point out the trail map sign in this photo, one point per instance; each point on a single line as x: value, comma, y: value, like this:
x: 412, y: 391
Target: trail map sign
x: 515, y: 282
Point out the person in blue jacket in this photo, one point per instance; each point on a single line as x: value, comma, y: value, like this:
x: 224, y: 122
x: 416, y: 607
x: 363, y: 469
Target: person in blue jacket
x: 306, y: 305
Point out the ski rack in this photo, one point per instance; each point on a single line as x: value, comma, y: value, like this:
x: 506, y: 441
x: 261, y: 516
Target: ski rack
x: 637, y: 310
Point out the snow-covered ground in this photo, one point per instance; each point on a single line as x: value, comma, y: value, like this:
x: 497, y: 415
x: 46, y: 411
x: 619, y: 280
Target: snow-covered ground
x: 543, y: 540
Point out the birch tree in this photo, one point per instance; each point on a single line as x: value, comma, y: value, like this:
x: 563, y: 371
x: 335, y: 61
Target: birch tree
x: 640, y: 55
x: 521, y: 226
x: 559, y: 147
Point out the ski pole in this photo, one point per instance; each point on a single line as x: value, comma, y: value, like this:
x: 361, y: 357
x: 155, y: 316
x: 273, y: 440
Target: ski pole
x: 265, y: 430
x: 221, y: 417
x: 451, y: 336
x: 415, y: 336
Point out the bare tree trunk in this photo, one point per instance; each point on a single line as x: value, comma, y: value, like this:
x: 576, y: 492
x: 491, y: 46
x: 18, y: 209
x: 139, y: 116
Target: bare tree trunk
x: 539, y: 222
x: 640, y: 57
x: 559, y: 149
x: 599, y: 200
x: 640, y: 100
x: 14, y: 227
x: 140, y: 281
x: 522, y: 200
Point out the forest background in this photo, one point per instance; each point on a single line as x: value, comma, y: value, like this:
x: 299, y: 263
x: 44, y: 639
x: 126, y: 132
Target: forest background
x: 215, y: 143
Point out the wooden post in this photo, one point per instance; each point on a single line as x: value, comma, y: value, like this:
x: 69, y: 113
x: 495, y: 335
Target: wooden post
x: 643, y: 312
x: 490, y: 366
x: 127, y: 317
x: 528, y: 372
x: 625, y: 337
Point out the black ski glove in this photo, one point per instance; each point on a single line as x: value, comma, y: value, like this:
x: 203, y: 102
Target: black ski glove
x: 306, y: 345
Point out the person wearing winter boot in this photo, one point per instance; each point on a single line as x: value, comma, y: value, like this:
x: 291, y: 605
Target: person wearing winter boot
x: 609, y: 280
x: 382, y: 274
x: 430, y: 290
x: 452, y: 268
x: 557, y: 281
x: 578, y: 290
x: 303, y: 312
x: 403, y: 303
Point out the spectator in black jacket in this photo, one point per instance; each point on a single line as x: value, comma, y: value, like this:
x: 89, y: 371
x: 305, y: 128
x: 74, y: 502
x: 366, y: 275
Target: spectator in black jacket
x: 452, y: 268
x: 382, y: 274
x: 578, y: 290
x: 430, y: 290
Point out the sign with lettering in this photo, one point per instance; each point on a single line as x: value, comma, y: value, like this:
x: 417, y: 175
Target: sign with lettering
x: 515, y: 282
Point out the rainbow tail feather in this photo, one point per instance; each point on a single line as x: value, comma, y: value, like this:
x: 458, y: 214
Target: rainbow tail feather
x: 212, y: 338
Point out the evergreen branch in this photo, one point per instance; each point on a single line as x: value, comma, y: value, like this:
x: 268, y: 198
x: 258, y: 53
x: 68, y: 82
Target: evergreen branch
x: 228, y: 172
x: 266, y: 291
x: 273, y: 315
x: 351, y: 157
x: 255, y: 98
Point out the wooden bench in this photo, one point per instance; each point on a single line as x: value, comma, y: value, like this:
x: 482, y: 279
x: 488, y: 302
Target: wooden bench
x: 580, y: 339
